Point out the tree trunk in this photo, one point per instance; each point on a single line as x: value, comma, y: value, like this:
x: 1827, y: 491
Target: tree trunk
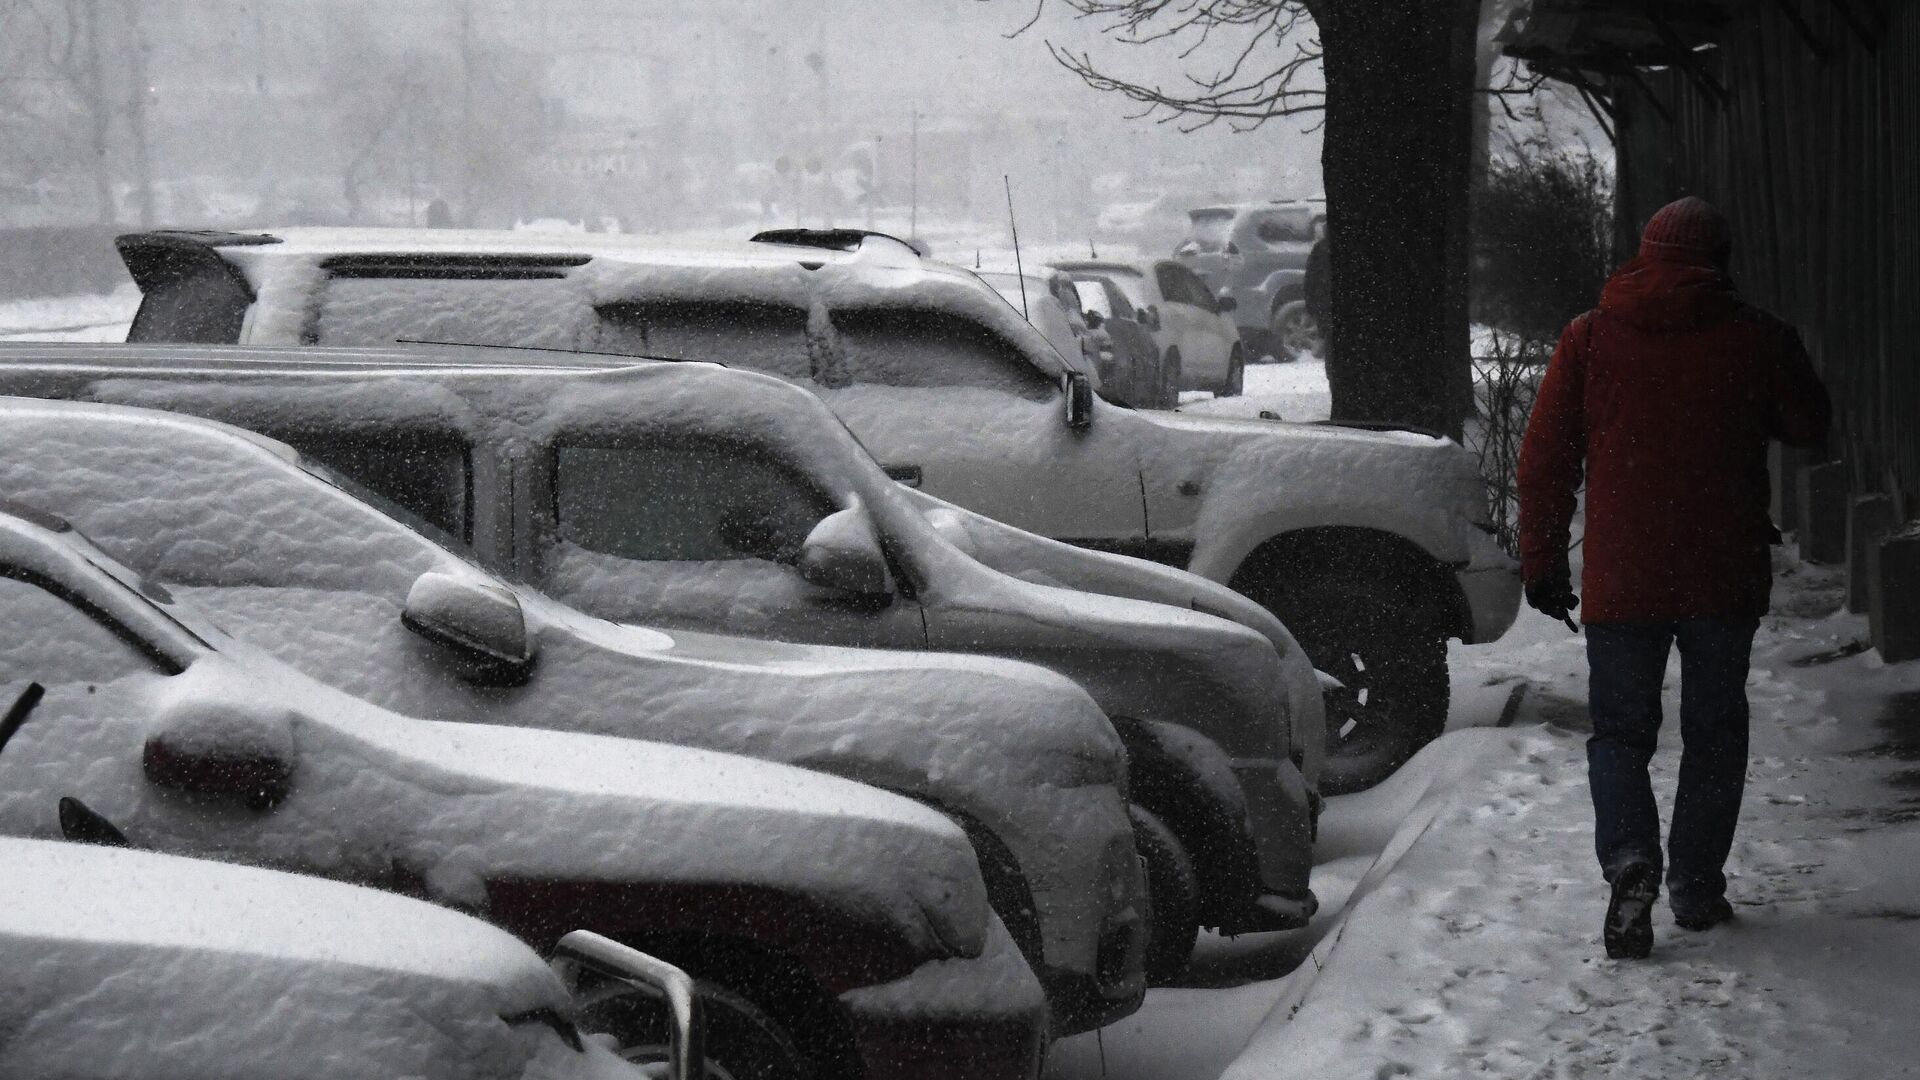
x: 1395, y: 153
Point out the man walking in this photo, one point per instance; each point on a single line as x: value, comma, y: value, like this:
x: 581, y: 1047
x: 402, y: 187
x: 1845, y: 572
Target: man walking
x: 1668, y: 392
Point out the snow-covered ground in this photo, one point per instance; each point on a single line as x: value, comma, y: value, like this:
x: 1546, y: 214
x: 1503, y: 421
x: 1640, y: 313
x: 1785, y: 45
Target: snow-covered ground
x: 70, y: 318
x: 1470, y: 945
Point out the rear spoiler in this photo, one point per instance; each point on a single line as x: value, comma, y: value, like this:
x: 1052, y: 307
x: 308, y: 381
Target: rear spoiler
x: 166, y: 255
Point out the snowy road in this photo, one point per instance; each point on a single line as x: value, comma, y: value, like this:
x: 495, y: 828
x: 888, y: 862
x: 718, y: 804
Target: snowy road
x: 1472, y: 946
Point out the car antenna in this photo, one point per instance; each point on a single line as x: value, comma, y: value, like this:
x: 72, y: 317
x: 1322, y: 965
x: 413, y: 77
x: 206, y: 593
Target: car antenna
x: 1018, y: 270
x: 1092, y: 252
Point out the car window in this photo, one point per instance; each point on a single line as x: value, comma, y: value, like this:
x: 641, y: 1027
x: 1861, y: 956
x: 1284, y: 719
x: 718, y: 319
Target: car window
x: 921, y: 348
x: 429, y: 473
x: 1285, y: 227
x: 683, y: 499
x: 740, y: 333
x: 1179, y: 286
x: 541, y: 313
x: 47, y: 638
x: 1093, y: 297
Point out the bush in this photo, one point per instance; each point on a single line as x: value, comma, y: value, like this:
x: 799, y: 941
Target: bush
x: 1506, y: 379
x: 1542, y: 244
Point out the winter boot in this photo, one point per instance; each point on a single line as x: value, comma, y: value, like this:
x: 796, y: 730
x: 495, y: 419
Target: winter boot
x: 1704, y: 916
x: 1628, y: 932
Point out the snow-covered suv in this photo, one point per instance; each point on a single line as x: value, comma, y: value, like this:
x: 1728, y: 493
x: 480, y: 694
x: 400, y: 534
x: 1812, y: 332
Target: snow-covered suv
x: 298, y: 562
x: 128, y: 965
x: 1374, y: 547
x: 690, y: 495
x: 841, y: 929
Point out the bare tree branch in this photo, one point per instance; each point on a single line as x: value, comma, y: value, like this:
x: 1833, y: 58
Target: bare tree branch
x: 1263, y: 43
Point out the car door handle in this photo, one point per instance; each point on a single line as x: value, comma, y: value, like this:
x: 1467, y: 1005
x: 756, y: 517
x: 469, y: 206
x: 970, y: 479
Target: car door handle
x: 903, y: 474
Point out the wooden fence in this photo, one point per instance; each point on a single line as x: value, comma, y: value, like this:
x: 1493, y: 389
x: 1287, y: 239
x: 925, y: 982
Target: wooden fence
x: 1803, y: 124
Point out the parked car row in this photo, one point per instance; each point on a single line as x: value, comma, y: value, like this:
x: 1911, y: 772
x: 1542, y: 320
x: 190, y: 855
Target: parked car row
x: 403, y: 559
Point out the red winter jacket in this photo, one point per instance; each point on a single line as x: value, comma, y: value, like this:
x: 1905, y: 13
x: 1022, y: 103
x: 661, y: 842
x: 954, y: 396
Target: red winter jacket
x: 1669, y: 392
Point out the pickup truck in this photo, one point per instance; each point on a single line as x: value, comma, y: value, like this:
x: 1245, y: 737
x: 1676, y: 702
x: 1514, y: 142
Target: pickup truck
x: 1373, y: 546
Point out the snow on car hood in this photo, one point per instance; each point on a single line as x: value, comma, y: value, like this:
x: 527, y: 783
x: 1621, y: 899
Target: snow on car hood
x: 133, y: 964
x: 374, y: 795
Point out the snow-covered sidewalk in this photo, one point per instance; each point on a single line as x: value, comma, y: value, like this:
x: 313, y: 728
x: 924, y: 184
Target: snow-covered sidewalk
x: 1479, y: 953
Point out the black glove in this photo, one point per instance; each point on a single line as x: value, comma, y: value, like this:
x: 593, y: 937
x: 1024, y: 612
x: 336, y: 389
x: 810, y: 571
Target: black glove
x: 1553, y: 597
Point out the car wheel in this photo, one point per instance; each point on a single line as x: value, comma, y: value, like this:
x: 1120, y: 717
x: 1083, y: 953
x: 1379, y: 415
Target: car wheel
x: 1393, y: 699
x: 1295, y: 333
x: 1173, y: 890
x: 742, y: 1042
x: 1236, y: 375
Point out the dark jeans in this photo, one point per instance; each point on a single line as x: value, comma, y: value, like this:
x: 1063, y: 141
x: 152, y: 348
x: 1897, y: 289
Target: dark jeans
x: 1627, y: 662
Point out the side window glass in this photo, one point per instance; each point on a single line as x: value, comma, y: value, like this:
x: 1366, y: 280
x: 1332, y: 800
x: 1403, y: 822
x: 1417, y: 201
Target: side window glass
x: 49, y: 640
x: 683, y: 500
x: 1194, y: 289
x: 1093, y: 297
x: 1284, y: 228
x: 1122, y: 308
x: 542, y: 313
x: 916, y: 347
x: 762, y: 336
x: 429, y: 473
x: 1171, y: 287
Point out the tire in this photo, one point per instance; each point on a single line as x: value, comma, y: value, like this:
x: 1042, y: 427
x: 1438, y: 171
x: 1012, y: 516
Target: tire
x: 1295, y: 333
x: 1236, y: 374
x: 1173, y: 890
x: 742, y: 1041
x: 1358, y: 629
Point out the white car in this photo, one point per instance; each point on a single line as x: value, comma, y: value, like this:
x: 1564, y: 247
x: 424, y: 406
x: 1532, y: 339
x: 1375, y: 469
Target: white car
x: 689, y: 495
x: 1373, y: 546
x: 281, y: 552
x: 182, y: 739
x: 128, y: 965
x: 1188, y: 321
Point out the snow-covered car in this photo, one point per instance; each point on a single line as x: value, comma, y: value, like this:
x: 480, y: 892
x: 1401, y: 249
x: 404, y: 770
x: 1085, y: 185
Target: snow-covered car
x: 839, y: 930
x: 299, y: 562
x: 1133, y: 371
x: 1256, y: 253
x: 689, y: 495
x: 1373, y: 546
x: 1193, y: 327
x: 130, y: 965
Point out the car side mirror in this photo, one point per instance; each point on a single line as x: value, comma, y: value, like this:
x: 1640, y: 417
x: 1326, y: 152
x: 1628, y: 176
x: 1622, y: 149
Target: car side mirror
x: 1092, y: 319
x: 843, y: 553
x: 224, y: 750
x: 1079, y: 400
x: 479, y: 625
x: 1225, y: 304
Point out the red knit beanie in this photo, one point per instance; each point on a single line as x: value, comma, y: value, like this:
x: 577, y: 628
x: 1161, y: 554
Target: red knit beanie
x: 1688, y: 228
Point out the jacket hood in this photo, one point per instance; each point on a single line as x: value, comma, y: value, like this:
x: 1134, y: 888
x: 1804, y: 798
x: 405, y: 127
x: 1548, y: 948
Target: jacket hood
x: 1675, y: 292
